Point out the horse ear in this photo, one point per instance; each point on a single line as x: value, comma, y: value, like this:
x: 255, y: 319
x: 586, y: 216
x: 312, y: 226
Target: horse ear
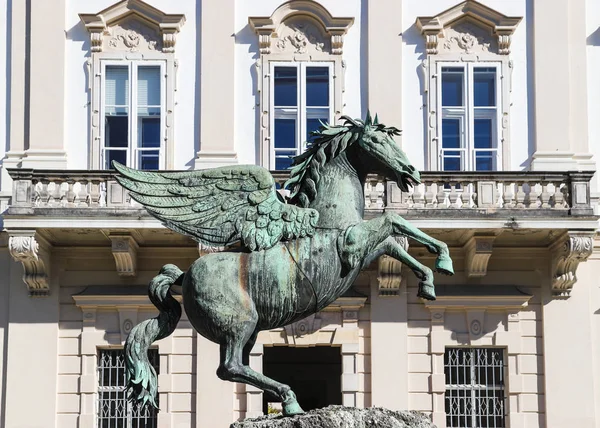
x: 376, y: 121
x: 368, y: 120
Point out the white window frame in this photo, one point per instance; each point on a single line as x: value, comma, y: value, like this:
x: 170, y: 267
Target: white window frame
x: 468, y: 113
x: 299, y: 112
x: 134, y: 139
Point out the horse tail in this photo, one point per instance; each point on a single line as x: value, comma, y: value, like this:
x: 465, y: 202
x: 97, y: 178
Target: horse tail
x: 141, y: 379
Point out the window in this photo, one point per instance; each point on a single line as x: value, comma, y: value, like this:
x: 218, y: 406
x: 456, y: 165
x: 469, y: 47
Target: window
x: 114, y: 410
x: 469, y: 117
x: 132, y: 112
x: 302, y: 94
x: 475, y: 393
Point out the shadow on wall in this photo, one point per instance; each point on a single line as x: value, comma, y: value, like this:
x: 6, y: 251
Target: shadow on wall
x: 248, y: 38
x: 412, y: 37
x: 594, y: 38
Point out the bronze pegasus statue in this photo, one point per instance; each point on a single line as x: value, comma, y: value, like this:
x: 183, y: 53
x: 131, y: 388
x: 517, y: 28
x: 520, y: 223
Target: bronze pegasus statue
x: 294, y: 258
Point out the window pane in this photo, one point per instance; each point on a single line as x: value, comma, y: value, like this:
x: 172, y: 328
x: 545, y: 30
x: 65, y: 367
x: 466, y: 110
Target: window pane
x: 313, y: 125
x: 114, y: 155
x: 283, y: 162
x: 452, y: 163
x: 451, y: 133
x: 286, y: 86
x: 483, y: 133
x: 149, y: 132
x: 148, y: 86
x: 485, y: 161
x: 116, y: 91
x: 484, y: 86
x: 452, y: 86
x: 317, y: 86
x: 148, y: 159
x: 285, y: 133
x: 116, y: 131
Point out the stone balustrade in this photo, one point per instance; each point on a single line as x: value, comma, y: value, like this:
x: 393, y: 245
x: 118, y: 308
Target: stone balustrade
x: 566, y: 192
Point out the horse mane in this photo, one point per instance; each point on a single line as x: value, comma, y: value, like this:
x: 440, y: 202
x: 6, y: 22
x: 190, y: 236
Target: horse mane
x: 328, y: 142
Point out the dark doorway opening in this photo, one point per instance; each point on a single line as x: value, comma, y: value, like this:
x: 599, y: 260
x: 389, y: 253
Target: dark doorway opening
x: 314, y: 374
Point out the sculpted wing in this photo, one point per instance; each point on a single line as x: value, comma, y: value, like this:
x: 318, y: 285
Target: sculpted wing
x: 220, y: 206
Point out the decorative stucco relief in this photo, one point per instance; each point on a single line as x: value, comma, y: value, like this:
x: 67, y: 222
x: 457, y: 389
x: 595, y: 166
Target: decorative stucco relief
x: 468, y: 38
x: 300, y: 37
x: 132, y: 36
x: 25, y: 248
x: 567, y: 253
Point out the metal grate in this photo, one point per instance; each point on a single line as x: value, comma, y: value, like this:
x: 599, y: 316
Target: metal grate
x: 474, y: 387
x: 114, y: 410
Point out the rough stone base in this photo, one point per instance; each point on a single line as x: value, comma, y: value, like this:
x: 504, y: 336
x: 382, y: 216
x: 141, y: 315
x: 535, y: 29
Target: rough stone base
x: 341, y: 417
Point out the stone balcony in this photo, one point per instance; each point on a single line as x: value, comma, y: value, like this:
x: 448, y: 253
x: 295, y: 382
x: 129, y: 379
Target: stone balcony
x: 475, y: 213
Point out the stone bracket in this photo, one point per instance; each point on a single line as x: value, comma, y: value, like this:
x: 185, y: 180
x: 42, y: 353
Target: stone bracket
x: 390, y: 272
x: 124, y: 250
x: 33, y: 253
x: 573, y: 248
x: 478, y: 251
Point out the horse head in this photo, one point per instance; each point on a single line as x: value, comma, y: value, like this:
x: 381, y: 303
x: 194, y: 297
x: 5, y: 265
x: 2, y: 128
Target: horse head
x: 383, y: 154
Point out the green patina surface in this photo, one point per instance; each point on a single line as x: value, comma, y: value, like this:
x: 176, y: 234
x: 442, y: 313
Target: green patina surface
x: 296, y: 256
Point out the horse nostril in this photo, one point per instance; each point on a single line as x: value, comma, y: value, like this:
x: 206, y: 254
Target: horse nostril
x: 410, y: 168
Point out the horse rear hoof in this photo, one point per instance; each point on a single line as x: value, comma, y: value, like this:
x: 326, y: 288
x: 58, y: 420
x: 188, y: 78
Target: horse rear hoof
x: 444, y: 266
x: 291, y: 406
x: 426, y: 291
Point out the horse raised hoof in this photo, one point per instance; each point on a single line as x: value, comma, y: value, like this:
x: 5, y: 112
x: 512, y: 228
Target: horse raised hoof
x: 443, y: 265
x: 426, y: 291
x: 290, y: 405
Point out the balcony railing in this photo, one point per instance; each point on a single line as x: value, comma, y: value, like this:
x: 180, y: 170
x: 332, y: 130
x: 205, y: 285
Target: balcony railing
x: 564, y: 193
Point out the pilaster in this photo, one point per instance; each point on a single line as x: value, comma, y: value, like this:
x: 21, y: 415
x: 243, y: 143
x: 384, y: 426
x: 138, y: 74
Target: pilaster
x: 217, y: 72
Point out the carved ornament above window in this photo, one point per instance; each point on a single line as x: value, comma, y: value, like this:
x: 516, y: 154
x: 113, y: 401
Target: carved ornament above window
x: 468, y: 27
x: 134, y: 26
x: 301, y: 26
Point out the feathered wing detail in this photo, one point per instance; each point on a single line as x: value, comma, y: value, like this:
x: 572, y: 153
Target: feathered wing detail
x: 220, y: 206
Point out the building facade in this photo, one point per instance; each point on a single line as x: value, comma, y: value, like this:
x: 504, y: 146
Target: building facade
x: 498, y: 103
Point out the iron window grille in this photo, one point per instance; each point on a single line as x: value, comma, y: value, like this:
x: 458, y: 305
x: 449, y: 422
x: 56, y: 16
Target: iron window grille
x: 114, y: 410
x: 475, y: 391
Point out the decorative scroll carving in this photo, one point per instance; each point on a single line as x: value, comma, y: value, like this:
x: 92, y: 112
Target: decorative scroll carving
x: 304, y: 327
x: 300, y: 37
x: 151, y: 29
x: 461, y: 26
x: 290, y: 28
x: 124, y: 250
x: 390, y: 272
x: 25, y: 248
x: 478, y: 251
x: 567, y: 253
x: 133, y: 36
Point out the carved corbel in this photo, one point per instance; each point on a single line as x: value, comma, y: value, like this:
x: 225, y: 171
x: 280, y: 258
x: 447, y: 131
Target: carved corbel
x: 390, y: 272
x: 478, y: 251
x: 430, y: 29
x: 124, y: 250
x: 567, y: 253
x: 504, y: 39
x: 33, y: 253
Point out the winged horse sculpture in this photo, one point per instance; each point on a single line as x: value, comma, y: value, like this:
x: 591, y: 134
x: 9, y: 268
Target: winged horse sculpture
x: 295, y: 257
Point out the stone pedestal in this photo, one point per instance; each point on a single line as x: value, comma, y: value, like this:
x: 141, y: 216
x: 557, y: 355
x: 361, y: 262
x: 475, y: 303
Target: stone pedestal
x: 341, y: 416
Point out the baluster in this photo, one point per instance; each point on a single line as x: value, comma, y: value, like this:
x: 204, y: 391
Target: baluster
x: 545, y: 195
x: 94, y: 193
x: 441, y: 195
x: 418, y: 196
x: 520, y: 197
x: 56, y: 195
x: 70, y: 194
x: 429, y: 195
x: 508, y: 195
x: 560, y: 198
x: 82, y: 195
x: 43, y: 195
x: 453, y: 196
x: 534, y: 201
x: 468, y: 196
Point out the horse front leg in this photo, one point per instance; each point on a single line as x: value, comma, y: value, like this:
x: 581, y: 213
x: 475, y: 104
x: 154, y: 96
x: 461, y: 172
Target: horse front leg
x: 393, y: 249
x: 443, y: 262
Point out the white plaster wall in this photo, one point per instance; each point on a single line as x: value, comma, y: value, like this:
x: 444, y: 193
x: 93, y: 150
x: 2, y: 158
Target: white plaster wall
x: 246, y: 54
x: 413, y: 101
x: 593, y: 84
x: 77, y: 115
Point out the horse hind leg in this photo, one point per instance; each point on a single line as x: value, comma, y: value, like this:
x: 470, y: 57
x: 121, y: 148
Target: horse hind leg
x: 234, y: 367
